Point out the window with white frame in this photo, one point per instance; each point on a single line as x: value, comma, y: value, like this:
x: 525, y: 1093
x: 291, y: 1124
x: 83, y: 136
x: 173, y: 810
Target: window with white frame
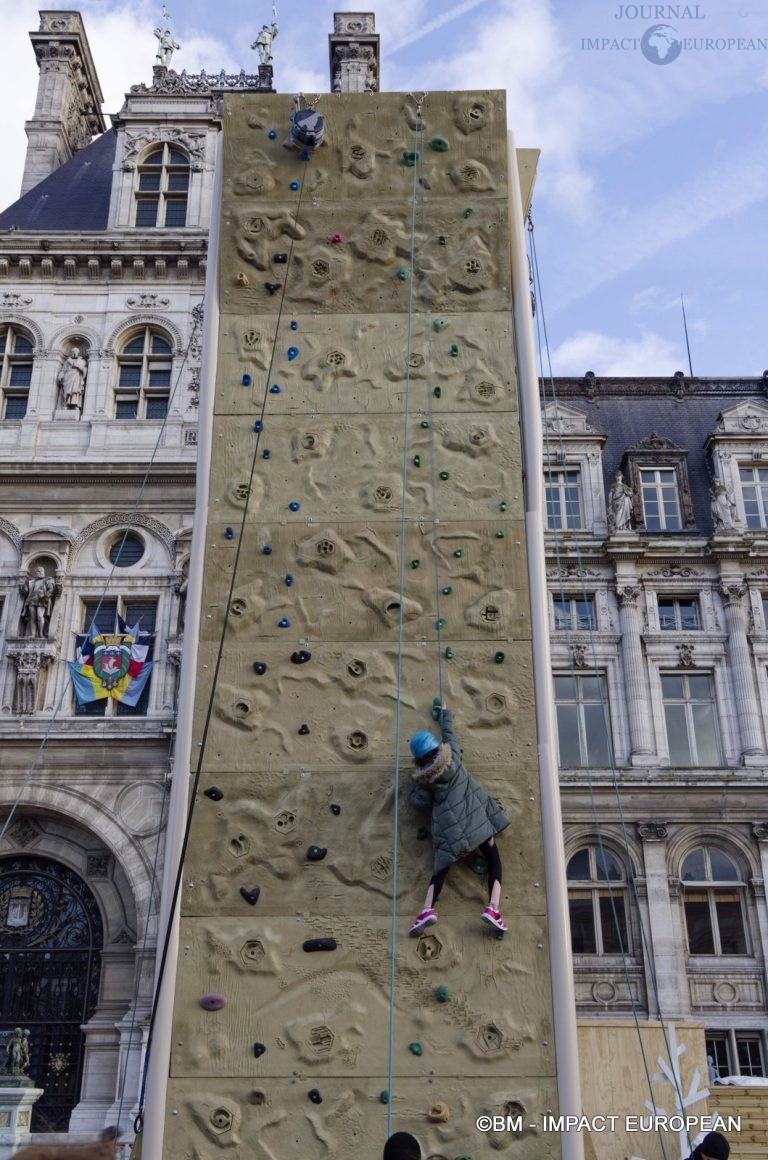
x: 583, y: 723
x: 574, y: 612
x: 690, y: 713
x: 144, y: 371
x: 563, y: 498
x: 16, y: 349
x: 754, y: 493
x: 660, y: 499
x: 713, y: 899
x: 597, y: 903
x: 161, y: 197
x: 102, y: 615
x: 679, y: 613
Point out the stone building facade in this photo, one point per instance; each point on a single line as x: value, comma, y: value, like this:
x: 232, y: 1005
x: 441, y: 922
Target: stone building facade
x: 658, y: 579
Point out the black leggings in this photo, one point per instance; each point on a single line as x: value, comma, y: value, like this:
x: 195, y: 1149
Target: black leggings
x: 491, y: 855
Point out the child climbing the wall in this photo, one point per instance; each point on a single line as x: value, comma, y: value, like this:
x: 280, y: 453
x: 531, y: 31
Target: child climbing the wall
x: 464, y: 817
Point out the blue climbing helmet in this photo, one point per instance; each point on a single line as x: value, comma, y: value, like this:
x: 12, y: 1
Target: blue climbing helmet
x: 423, y: 743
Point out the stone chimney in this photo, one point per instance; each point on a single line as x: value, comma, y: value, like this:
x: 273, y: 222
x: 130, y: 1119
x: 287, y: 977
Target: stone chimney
x: 354, y: 52
x: 68, y: 109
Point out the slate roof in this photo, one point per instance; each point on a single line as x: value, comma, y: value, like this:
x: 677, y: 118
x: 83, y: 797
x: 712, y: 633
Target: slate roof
x: 74, y: 197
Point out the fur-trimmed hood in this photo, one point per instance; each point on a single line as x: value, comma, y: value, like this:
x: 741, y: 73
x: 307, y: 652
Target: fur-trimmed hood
x: 429, y: 773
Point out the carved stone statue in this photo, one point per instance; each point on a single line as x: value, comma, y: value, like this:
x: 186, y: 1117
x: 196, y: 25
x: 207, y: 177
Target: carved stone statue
x: 16, y: 1052
x: 619, y: 504
x: 39, y: 594
x: 722, y: 506
x: 71, y: 379
x: 166, y: 47
x: 263, y: 42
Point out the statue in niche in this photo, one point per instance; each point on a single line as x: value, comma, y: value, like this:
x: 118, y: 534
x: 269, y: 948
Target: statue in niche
x: 39, y: 593
x: 263, y: 42
x: 166, y: 47
x: 71, y: 379
x: 619, y: 504
x: 722, y: 506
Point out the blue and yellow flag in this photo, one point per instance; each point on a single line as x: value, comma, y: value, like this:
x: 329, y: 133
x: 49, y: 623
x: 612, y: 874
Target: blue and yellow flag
x: 111, y: 665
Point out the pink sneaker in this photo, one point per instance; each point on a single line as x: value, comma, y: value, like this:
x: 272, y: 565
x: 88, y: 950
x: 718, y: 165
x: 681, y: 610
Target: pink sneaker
x: 427, y: 918
x: 493, y: 918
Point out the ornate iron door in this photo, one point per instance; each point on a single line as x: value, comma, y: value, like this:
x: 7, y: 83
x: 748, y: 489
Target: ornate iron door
x: 50, y: 961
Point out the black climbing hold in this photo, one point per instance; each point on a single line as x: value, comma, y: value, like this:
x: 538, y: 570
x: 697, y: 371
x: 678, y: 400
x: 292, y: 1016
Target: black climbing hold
x: 447, y: 590
x: 498, y: 658
x: 284, y: 622
x: 294, y: 325
x: 315, y: 1096
x: 266, y: 550
x: 439, y: 144
x: 503, y: 506
x: 424, y: 424
x: 294, y: 506
x: 258, y: 425
x: 316, y: 853
x: 415, y: 564
x: 272, y: 134
x: 440, y: 623
x: 440, y: 324
x: 454, y: 351
x: 459, y: 553
x: 247, y: 380
x: 258, y: 1050
x: 468, y: 213
x: 303, y: 730
x: 435, y: 713
x: 251, y: 896
x: 319, y: 944
x: 214, y: 793
x: 437, y: 392
x: 274, y: 389
x: 402, y: 273
x: 384, y: 1097
x: 437, y: 702
x: 266, y: 453
x: 479, y: 866
x: 500, y: 535
x: 280, y: 259
x: 449, y: 654
x: 229, y: 534
x: 417, y: 461
x: 442, y: 240
x: 335, y: 810
x: 445, y: 475
x: 415, y: 1048
x: 272, y: 287
x: 301, y: 657
x: 422, y: 833
x: 289, y: 584
x: 259, y: 668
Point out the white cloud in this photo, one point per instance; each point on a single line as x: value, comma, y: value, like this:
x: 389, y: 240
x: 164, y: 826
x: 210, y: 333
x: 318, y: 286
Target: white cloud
x: 589, y: 350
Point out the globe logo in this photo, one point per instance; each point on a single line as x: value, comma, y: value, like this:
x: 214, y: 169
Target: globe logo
x: 660, y: 44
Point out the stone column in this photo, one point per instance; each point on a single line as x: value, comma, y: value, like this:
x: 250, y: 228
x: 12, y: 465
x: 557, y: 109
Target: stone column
x: 671, y: 997
x: 642, y: 745
x: 740, y: 663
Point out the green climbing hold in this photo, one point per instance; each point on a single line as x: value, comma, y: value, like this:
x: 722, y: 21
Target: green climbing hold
x: 437, y: 392
x: 454, y: 352
x: 439, y: 144
x: 437, y: 701
x: 440, y: 324
x: 499, y: 935
x: 479, y: 866
x: 500, y: 535
x: 424, y: 425
x: 442, y: 240
x: 415, y: 563
x: 459, y: 553
x: 442, y: 994
x: 449, y: 654
x: 498, y: 658
x: 410, y: 157
x: 445, y: 475
x: 440, y: 623
x: 434, y: 713
x: 402, y: 273
x: 384, y: 1097
x: 468, y: 213
x: 417, y: 461
x: 447, y: 590
x: 415, y: 1049
x: 422, y: 833
x: 503, y: 506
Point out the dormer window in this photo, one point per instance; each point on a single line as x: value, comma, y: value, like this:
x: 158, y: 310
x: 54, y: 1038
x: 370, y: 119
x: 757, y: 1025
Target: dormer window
x: 657, y: 471
x: 161, y: 198
x: 661, y: 503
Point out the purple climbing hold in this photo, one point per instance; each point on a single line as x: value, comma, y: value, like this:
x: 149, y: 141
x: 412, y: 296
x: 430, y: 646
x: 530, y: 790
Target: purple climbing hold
x: 293, y: 352
x: 213, y: 1002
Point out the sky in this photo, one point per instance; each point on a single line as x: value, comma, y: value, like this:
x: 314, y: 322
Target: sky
x: 653, y: 177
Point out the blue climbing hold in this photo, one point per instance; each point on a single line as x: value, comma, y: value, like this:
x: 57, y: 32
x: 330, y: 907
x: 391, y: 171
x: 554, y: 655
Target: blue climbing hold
x: 295, y: 185
x: 293, y: 352
x: 294, y: 325
x: 288, y: 580
x: 294, y: 506
x: 272, y: 134
x: 305, y: 155
x: 247, y: 380
x: 258, y: 425
x: 284, y: 623
x: 266, y: 453
x: 274, y: 389
x: 266, y: 550
x: 229, y: 534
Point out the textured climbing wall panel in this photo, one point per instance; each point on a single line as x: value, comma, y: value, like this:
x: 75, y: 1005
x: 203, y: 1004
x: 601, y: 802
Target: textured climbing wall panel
x: 365, y: 520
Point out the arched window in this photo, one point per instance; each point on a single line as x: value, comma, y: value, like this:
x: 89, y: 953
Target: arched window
x: 144, y: 376
x: 16, y: 352
x: 597, y: 905
x: 161, y: 199
x: 713, y: 896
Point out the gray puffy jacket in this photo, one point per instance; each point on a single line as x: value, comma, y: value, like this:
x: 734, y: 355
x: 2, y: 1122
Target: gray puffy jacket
x: 463, y: 813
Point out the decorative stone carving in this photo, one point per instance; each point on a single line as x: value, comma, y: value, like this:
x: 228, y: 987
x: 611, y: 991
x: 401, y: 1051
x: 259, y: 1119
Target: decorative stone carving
x: 190, y: 438
x: 760, y: 831
x: 570, y: 570
x: 619, y: 504
x: 627, y: 594
x: 732, y: 592
x: 39, y: 593
x: 723, y: 507
x: 15, y: 1053
x: 193, y: 386
x: 685, y: 659
x: 147, y: 302
x: 590, y: 385
x: 652, y: 831
x: 263, y: 42
x: 196, y: 334
x: 192, y: 142
x: 24, y: 832
x: 12, y: 532
x: 166, y: 46
x: 71, y: 379
x: 675, y: 570
x: 579, y: 656
x: 202, y: 84
x: 10, y: 301
x: 117, y: 521
x: 30, y: 658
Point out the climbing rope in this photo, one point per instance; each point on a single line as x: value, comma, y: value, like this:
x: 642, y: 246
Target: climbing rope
x: 106, y: 587
x: 258, y: 429
x: 547, y: 378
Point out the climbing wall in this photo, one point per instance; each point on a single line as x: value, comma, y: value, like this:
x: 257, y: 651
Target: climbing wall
x: 334, y: 347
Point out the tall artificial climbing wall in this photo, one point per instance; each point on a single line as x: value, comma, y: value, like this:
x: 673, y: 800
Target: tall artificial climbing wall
x: 365, y: 299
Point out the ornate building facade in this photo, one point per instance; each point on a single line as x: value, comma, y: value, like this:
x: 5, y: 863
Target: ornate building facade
x: 657, y: 539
